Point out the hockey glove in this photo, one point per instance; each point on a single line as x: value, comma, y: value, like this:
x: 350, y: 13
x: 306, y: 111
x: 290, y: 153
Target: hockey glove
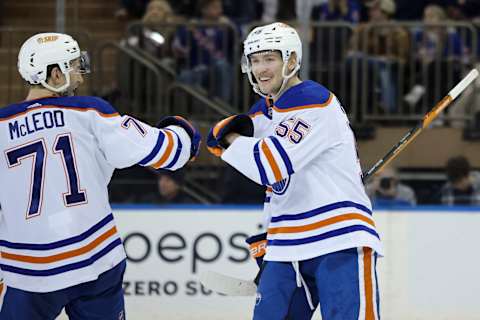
x: 258, y: 246
x: 192, y: 132
x: 241, y: 124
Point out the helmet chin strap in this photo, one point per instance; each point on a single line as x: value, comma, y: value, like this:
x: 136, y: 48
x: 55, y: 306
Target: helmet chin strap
x: 61, y: 89
x: 286, y: 77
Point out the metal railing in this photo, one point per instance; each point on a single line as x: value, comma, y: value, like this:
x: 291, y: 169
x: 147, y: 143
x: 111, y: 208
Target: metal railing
x: 202, y: 53
x: 142, y: 85
x: 149, y: 90
x: 377, y: 72
x: 404, y: 68
x: 185, y: 100
x: 375, y: 80
x: 372, y: 83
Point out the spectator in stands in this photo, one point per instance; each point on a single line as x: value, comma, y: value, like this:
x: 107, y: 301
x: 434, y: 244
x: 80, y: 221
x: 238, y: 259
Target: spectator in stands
x: 183, y: 8
x: 159, y: 28
x: 242, y: 13
x: 409, y: 10
x: 158, y: 11
x: 120, y: 188
x: 463, y: 184
x: 387, y: 190
x: 134, y: 9
x: 338, y: 10
x: 273, y: 10
x: 288, y: 10
x: 329, y: 43
x: 202, y: 51
x: 170, y: 188
x: 385, y: 47
x: 237, y: 189
x: 461, y: 10
x: 439, y: 54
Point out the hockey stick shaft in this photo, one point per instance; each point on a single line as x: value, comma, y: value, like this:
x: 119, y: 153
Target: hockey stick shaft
x: 424, y: 123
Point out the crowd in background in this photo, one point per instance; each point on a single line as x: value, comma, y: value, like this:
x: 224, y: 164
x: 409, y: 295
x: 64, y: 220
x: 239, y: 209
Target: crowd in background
x: 204, y: 56
x: 244, y: 12
x: 201, y: 56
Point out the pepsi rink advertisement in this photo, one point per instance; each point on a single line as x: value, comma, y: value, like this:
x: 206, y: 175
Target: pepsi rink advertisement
x: 168, y: 250
x: 430, y: 270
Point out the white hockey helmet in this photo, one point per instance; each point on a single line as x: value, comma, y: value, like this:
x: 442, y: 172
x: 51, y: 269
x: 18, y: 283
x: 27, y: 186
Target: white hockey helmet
x: 44, y: 49
x: 272, y: 37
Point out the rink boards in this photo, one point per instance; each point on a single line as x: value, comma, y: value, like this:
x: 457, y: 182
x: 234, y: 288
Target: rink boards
x: 430, y: 271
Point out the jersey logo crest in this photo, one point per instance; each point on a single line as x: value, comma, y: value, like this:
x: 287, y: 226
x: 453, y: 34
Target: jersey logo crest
x: 281, y: 186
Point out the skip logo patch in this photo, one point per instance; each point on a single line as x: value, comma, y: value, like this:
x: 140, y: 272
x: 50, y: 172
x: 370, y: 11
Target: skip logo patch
x: 47, y: 39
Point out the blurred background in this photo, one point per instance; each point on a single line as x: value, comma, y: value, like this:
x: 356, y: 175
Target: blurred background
x: 387, y: 61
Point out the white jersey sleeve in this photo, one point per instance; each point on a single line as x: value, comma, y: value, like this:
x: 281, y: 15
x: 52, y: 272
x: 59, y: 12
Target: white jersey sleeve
x: 126, y: 141
x: 295, y: 143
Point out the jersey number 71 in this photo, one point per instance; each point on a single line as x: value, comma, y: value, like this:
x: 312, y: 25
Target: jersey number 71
x: 37, y: 150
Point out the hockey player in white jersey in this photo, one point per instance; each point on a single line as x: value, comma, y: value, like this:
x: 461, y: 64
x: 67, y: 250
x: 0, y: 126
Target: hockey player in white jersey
x: 58, y: 241
x: 297, y: 142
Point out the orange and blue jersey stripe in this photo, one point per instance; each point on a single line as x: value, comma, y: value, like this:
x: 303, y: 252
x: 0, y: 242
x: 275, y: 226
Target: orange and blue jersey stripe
x: 361, y: 222
x: 304, y: 107
x: 109, y: 237
x: 322, y: 236
x: 171, y: 136
x: 322, y: 209
x: 155, y: 150
x: 166, y: 153
x: 177, y: 152
x: 101, y: 107
x: 283, y: 155
x: 271, y: 162
x: 280, y: 169
x: 368, y: 284
x: 306, y: 95
x: 258, y: 161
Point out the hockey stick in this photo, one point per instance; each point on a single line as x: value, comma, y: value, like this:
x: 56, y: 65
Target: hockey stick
x: 227, y: 285
x: 238, y: 287
x: 424, y: 123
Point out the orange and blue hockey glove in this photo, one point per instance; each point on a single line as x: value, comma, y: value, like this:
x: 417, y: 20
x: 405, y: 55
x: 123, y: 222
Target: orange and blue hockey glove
x: 258, y: 247
x: 192, y: 132
x: 241, y: 124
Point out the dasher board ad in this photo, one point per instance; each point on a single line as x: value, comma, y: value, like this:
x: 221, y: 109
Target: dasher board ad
x: 169, y: 249
x: 430, y: 268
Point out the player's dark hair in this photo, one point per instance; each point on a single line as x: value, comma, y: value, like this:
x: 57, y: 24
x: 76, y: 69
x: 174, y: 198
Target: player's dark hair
x: 50, y: 69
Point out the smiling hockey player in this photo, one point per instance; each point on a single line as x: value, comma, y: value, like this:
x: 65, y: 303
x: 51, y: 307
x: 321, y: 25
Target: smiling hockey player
x: 297, y: 141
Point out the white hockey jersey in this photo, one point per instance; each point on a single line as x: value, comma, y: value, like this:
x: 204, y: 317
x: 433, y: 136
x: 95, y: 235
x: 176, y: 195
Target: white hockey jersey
x: 59, y: 153
x: 304, y: 151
